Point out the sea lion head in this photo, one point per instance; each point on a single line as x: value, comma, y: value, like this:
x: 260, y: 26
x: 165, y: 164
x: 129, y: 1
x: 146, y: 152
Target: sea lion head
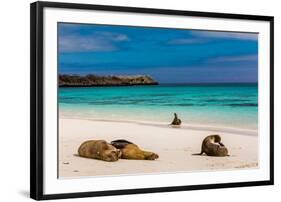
x: 221, y: 150
x: 99, y: 149
x: 217, y: 138
x: 111, y: 153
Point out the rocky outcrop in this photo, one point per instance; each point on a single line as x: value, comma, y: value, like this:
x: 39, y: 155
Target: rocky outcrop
x: 94, y: 80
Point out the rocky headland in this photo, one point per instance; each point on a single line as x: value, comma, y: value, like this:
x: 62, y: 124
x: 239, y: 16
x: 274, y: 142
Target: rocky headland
x: 92, y: 80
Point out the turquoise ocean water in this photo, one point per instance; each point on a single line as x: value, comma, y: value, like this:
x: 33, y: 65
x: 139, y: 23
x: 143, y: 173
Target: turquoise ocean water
x: 228, y: 105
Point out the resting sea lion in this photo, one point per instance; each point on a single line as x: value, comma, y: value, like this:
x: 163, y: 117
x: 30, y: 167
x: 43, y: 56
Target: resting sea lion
x: 212, y: 146
x: 176, y: 121
x: 130, y: 150
x: 99, y: 149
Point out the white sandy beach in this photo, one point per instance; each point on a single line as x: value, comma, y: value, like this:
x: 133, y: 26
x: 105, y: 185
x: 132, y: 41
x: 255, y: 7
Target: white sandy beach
x: 174, y: 146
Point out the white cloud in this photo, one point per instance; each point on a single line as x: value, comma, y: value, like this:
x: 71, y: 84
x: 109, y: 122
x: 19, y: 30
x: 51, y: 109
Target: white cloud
x: 226, y: 35
x: 98, y: 41
x: 198, y: 37
x: 111, y: 36
x: 241, y: 58
x: 183, y: 41
x: 81, y: 44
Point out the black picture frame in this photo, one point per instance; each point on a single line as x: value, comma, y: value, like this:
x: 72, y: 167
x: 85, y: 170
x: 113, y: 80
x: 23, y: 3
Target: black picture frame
x: 36, y: 98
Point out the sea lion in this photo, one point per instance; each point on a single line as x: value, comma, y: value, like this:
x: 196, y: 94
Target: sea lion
x: 130, y: 150
x: 212, y: 146
x: 176, y: 121
x: 99, y: 149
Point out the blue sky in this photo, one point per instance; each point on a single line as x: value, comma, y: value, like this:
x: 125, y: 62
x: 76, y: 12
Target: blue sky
x: 168, y: 55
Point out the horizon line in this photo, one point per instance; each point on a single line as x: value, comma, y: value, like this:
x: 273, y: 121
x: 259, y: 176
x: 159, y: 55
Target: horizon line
x: 163, y: 83
x: 195, y: 83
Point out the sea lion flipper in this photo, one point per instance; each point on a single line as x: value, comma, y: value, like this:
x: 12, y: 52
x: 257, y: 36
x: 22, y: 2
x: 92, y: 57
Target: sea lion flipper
x: 198, y: 153
x: 221, y: 144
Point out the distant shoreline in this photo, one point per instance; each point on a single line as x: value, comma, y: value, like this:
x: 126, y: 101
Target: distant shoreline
x: 92, y: 80
x: 206, y: 84
x: 104, y: 85
x: 162, y: 84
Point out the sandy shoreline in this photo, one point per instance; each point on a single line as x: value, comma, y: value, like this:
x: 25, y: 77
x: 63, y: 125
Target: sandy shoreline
x: 175, y: 147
